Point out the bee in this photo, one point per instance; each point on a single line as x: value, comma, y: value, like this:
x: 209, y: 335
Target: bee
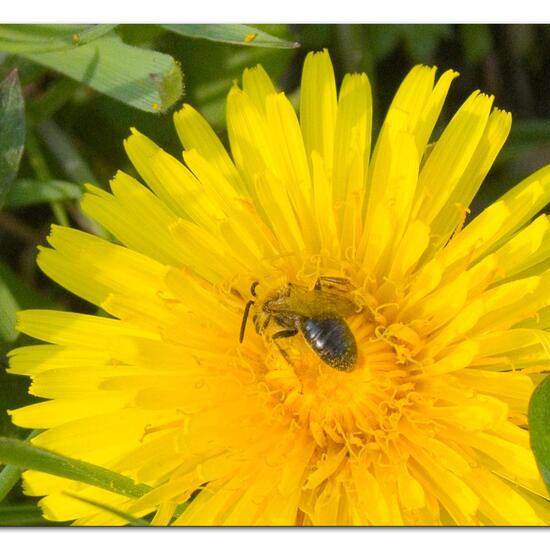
x: 317, y: 314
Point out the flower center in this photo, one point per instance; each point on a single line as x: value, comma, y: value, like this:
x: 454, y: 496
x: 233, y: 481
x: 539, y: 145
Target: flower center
x: 360, y: 407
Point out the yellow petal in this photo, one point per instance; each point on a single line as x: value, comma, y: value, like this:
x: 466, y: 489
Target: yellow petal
x: 54, y: 413
x: 195, y: 133
x: 170, y: 180
x: 456, y: 496
x: 500, y: 503
x: 410, y: 249
x: 107, y: 435
x: 325, y: 468
x: 61, y: 507
x: 451, y: 156
x: 76, y: 329
x: 491, y: 142
x: 512, y: 302
x: 135, y: 217
x: 73, y: 264
x: 500, y: 219
x: 36, y: 359
x: 427, y: 117
x: 352, y: 135
x: 318, y: 106
x: 394, y: 174
x: 289, y: 156
x: 258, y: 86
x: 164, y: 514
x: 324, y: 213
x: 249, y: 142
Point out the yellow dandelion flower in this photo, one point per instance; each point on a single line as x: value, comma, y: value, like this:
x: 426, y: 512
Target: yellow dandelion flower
x: 389, y: 349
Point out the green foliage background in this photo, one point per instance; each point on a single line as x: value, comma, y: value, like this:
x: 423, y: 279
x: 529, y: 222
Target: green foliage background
x: 82, y: 87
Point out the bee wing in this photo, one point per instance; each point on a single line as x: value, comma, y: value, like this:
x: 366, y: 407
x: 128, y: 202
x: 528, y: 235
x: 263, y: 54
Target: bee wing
x: 316, y: 303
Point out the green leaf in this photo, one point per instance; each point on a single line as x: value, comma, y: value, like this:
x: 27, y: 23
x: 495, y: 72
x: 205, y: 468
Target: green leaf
x: 421, y: 41
x: 539, y: 427
x: 23, y: 515
x: 29, y: 457
x: 25, y: 296
x: 90, y: 33
x: 476, y: 41
x: 382, y: 39
x: 44, y: 38
x: 27, y: 192
x: 12, y: 131
x: 242, y: 35
x: 145, y: 79
x: 132, y: 520
x: 8, y: 309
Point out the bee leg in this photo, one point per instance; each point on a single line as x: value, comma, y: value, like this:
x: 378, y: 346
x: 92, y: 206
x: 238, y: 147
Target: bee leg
x: 284, y: 353
x: 261, y: 322
x: 287, y: 333
x: 249, y: 304
x: 334, y: 280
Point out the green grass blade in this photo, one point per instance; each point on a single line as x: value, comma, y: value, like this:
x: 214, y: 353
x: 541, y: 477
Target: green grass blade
x: 243, y: 35
x: 477, y: 42
x: 132, y: 520
x: 144, y: 79
x: 12, y: 131
x: 9, y: 308
x: 74, y: 166
x: 11, y: 474
x: 26, y: 192
x: 23, y: 515
x: 56, y: 96
x: 28, y: 457
x: 539, y: 427
x: 63, y: 148
x: 21, y: 39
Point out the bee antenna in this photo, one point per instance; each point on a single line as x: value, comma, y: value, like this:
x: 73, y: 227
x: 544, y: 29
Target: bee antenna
x: 249, y: 304
x: 253, y: 288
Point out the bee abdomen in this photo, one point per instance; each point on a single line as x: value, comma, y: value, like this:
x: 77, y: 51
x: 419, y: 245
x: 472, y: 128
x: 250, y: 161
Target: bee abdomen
x: 332, y: 340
